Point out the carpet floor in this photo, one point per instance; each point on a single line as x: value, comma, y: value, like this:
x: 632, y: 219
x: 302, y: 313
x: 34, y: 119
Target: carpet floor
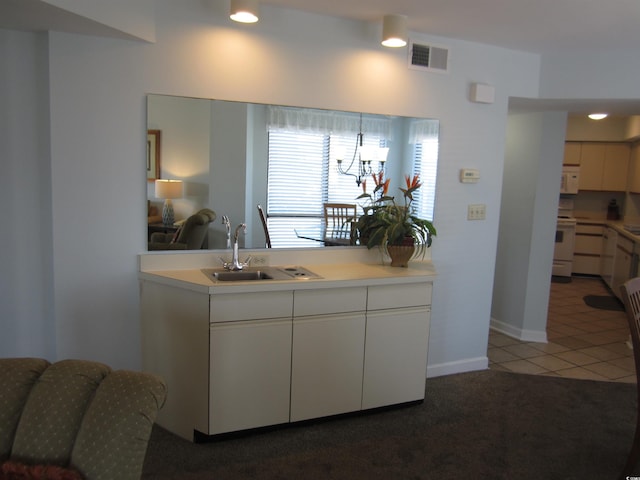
x: 479, y: 425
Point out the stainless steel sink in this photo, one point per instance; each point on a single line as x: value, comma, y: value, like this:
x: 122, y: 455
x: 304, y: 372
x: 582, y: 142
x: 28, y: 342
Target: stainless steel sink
x: 266, y: 273
x: 241, y: 276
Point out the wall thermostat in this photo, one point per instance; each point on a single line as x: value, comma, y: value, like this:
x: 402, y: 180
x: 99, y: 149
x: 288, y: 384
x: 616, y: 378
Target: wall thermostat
x: 469, y: 175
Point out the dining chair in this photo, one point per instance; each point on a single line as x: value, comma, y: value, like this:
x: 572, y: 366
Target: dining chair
x: 339, y: 220
x: 263, y: 219
x: 631, y: 297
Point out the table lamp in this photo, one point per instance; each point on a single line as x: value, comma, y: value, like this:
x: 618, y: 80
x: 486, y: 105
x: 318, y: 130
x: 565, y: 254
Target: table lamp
x: 168, y: 189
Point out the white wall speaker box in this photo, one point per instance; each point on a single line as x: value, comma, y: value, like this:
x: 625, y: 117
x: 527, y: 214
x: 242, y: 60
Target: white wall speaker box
x: 482, y: 93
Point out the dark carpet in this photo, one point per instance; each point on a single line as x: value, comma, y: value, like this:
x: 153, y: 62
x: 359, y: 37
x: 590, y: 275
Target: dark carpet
x: 559, y: 279
x: 477, y: 425
x: 604, y: 302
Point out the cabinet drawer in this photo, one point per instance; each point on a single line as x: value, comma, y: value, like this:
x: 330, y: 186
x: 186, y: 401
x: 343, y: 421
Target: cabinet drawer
x: 586, y: 243
x: 589, y: 229
x: 586, y: 264
x: 231, y: 307
x: 330, y: 300
x: 382, y: 297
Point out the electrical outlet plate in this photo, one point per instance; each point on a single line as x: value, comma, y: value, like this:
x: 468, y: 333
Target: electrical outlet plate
x: 259, y: 260
x: 476, y: 211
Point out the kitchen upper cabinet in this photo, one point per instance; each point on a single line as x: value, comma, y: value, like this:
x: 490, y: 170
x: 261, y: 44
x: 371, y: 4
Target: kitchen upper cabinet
x: 572, y: 153
x: 592, y: 166
x: 634, y: 169
x: 604, y: 166
x: 616, y: 167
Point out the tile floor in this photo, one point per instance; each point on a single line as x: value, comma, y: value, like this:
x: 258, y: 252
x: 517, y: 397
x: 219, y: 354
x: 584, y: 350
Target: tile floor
x: 583, y: 342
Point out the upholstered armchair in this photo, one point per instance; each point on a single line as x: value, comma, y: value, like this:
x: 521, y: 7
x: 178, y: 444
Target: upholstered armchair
x: 75, y: 419
x: 190, y: 236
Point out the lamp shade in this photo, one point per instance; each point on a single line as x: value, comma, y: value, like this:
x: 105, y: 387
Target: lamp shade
x: 244, y: 11
x: 168, y: 188
x: 394, y: 30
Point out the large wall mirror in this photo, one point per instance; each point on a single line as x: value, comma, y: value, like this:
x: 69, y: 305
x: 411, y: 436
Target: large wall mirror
x: 233, y: 156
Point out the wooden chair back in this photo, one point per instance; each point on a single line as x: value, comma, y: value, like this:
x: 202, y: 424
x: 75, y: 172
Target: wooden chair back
x: 263, y: 220
x: 339, y: 219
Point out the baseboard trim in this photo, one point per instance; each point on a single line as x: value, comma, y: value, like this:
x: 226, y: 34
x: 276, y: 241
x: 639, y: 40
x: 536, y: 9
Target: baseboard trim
x: 459, y: 366
x: 518, y: 333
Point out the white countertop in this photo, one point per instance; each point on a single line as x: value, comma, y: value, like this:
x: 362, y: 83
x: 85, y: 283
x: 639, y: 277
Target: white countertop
x: 617, y: 225
x: 333, y: 275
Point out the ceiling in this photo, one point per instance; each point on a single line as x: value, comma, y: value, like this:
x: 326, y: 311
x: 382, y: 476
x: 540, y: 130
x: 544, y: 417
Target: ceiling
x: 536, y: 26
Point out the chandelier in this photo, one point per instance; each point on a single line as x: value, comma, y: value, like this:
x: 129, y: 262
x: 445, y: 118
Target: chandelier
x: 364, y: 159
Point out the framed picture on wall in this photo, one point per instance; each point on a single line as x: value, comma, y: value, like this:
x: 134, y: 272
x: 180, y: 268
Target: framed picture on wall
x: 153, y: 154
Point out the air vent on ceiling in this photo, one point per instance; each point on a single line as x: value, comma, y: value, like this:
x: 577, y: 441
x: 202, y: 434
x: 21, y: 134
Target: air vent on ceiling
x: 428, y: 57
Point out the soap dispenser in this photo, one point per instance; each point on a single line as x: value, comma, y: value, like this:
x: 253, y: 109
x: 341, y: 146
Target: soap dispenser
x: 613, y: 212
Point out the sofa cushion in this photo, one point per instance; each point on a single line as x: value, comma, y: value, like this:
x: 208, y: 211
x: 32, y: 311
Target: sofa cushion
x: 19, y: 471
x: 54, y: 409
x: 118, y: 420
x: 17, y: 376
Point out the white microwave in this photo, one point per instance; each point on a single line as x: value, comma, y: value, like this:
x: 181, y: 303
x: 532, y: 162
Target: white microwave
x: 570, y: 179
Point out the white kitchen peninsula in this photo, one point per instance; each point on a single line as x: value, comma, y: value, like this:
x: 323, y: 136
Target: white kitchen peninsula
x: 249, y: 354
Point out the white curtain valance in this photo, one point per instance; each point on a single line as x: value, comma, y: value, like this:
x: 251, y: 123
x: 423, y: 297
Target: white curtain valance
x: 423, y: 129
x: 326, y: 122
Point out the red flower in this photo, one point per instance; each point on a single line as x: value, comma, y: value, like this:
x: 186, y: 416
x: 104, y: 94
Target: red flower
x: 412, y: 183
x: 385, y: 186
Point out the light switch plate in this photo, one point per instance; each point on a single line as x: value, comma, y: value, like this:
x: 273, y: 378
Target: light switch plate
x: 476, y: 211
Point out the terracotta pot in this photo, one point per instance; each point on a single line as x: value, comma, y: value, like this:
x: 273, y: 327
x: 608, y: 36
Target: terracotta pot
x: 401, y: 254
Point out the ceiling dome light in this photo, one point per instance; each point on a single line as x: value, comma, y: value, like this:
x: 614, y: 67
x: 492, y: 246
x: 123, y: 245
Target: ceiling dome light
x: 598, y: 116
x: 244, y: 11
x: 394, y: 31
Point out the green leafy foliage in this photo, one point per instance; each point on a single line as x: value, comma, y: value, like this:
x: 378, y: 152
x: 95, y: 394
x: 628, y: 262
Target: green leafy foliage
x: 385, y: 222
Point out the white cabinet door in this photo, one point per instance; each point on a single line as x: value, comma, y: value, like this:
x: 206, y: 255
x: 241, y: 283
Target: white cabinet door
x: 326, y: 377
x: 622, y: 264
x: 395, y: 366
x: 609, y: 241
x: 250, y: 371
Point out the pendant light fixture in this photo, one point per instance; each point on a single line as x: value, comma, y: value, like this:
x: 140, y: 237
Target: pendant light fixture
x: 363, y: 159
x: 394, y: 31
x: 244, y: 11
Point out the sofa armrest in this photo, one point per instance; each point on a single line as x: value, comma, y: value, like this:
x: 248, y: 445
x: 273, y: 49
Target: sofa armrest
x: 120, y: 417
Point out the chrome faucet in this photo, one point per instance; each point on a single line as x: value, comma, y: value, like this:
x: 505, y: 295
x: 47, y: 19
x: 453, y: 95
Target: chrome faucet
x: 227, y: 224
x: 236, y: 264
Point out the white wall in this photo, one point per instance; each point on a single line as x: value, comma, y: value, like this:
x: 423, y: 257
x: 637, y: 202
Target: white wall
x: 132, y: 17
x: 610, y: 129
x: 27, y: 321
x: 98, y: 89
x: 591, y: 75
x: 530, y: 192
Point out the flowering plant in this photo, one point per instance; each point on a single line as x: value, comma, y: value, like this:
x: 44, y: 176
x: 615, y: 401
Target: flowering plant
x: 385, y: 222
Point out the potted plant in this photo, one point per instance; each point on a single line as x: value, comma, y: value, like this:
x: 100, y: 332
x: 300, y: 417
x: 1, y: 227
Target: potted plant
x: 393, y: 226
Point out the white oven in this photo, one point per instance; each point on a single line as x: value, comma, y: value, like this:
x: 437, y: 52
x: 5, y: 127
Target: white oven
x: 564, y: 244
